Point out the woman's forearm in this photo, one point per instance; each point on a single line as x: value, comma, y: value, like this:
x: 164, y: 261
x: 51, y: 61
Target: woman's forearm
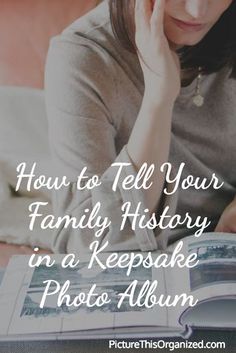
x: 150, y: 143
x: 150, y: 139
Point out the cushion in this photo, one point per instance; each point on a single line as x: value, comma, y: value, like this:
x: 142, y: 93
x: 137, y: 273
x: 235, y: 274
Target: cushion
x: 23, y: 133
x: 23, y: 138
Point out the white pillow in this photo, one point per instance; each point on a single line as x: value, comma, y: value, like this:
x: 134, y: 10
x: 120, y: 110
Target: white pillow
x: 23, y: 138
x: 23, y: 132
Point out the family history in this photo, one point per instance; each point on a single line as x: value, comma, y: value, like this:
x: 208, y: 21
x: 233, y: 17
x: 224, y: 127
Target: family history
x: 92, y: 219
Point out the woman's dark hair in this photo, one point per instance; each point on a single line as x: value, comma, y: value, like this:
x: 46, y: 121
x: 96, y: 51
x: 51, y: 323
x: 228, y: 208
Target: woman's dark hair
x: 215, y: 51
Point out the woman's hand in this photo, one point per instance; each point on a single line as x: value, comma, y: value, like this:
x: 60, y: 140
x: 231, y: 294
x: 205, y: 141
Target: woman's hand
x: 160, y: 64
x: 227, y: 222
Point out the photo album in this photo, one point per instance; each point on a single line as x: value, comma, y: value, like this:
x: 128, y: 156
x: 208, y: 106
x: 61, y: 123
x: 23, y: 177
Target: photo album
x: 117, y: 175
x: 142, y: 296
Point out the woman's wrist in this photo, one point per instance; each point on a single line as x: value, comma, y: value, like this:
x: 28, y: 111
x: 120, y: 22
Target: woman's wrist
x: 152, y: 129
x: 155, y: 105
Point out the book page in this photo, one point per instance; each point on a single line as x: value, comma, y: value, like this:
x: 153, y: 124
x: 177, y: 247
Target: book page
x: 213, y: 277
x: 23, y: 289
x: 217, y: 313
x: 215, y: 274
x: 177, y: 286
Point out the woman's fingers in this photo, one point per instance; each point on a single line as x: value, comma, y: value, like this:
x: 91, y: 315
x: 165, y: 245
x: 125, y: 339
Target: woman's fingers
x: 143, y: 13
x: 157, y: 18
x: 218, y: 228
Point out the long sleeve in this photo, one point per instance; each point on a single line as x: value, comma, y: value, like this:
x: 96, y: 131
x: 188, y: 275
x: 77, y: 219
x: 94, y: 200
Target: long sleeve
x: 80, y: 95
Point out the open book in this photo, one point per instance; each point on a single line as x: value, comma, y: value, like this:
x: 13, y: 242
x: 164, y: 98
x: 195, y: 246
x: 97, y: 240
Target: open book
x: 212, y: 282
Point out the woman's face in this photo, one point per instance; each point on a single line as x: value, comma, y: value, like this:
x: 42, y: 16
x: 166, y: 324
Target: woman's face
x: 188, y: 21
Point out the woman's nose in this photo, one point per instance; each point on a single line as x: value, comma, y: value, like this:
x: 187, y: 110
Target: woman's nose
x: 196, y: 8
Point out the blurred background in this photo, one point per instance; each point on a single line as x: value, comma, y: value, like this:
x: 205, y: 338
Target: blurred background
x: 26, y: 27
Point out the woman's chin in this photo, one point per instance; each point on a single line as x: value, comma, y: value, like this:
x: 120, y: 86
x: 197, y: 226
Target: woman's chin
x: 184, y: 40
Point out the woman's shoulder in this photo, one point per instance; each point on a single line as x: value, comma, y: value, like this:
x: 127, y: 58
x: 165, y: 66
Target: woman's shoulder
x: 92, y: 29
x: 90, y: 40
x: 86, y: 59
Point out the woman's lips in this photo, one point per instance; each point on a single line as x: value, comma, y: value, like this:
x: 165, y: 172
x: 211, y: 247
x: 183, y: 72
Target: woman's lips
x: 188, y: 26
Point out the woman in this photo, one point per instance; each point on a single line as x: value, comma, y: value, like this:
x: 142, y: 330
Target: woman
x: 144, y: 82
